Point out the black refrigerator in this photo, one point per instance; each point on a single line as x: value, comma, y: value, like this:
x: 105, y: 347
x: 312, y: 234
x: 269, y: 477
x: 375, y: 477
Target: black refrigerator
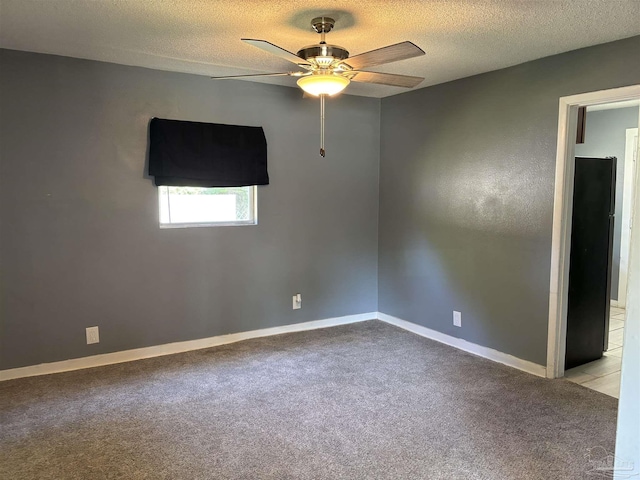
x: 590, y: 260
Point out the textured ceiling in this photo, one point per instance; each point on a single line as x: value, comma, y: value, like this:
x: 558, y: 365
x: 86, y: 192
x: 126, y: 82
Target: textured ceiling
x: 461, y: 38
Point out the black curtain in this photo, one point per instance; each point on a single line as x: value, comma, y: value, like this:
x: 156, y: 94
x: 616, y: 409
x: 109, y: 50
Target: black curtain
x: 195, y: 154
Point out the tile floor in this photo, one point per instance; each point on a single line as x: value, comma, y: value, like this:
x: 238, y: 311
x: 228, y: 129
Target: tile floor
x: 603, y: 375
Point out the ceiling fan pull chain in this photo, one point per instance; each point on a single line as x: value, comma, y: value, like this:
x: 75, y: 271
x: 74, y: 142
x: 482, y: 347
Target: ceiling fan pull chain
x: 322, y: 125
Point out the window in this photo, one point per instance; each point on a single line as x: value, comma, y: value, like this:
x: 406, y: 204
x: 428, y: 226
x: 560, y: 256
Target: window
x: 203, y: 207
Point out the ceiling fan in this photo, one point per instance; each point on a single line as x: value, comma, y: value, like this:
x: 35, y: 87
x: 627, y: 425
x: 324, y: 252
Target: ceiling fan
x: 327, y: 69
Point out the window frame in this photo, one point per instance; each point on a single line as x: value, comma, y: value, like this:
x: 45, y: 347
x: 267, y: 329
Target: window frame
x: 253, y: 200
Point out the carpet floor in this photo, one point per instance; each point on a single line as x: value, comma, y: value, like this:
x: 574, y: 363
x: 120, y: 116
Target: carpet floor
x: 361, y: 401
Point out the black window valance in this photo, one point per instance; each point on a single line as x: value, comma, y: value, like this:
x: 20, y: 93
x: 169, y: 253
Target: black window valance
x: 195, y: 154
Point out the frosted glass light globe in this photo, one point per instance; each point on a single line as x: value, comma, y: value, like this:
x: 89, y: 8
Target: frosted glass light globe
x: 323, y: 84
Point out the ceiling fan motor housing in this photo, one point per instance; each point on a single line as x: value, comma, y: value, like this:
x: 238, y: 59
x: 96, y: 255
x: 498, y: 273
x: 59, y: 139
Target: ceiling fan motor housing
x: 310, y: 52
x: 323, y: 55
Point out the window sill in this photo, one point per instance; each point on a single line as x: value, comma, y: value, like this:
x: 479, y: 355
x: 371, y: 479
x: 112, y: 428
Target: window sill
x: 201, y: 225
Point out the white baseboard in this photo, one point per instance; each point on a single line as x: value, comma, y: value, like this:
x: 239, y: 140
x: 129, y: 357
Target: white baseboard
x: 461, y: 344
x: 177, y: 347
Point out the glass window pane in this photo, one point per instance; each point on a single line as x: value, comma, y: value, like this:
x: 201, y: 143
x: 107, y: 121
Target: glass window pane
x: 194, y: 205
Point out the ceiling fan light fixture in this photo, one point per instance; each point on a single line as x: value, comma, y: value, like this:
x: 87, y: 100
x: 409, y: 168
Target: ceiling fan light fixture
x: 323, y: 84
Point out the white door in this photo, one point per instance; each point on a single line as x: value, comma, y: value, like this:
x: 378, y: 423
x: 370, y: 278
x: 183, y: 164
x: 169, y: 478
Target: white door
x: 630, y: 162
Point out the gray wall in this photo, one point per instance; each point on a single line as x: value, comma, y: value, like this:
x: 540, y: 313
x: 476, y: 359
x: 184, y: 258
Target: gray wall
x: 606, y: 136
x: 80, y: 243
x: 466, y: 196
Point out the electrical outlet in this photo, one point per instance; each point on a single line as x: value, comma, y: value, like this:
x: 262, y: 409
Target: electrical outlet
x: 457, y: 319
x: 93, y: 335
x: 297, y: 301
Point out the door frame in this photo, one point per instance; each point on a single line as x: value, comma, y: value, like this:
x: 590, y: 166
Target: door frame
x: 562, y: 211
x: 628, y: 189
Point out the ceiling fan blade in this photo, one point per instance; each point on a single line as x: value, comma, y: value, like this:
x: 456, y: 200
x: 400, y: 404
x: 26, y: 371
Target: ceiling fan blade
x: 251, y: 75
x: 390, y: 79
x: 276, y: 50
x: 391, y: 53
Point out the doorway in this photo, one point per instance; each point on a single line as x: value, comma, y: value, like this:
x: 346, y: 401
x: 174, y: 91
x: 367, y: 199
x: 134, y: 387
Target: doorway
x: 603, y: 189
x: 563, y: 210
